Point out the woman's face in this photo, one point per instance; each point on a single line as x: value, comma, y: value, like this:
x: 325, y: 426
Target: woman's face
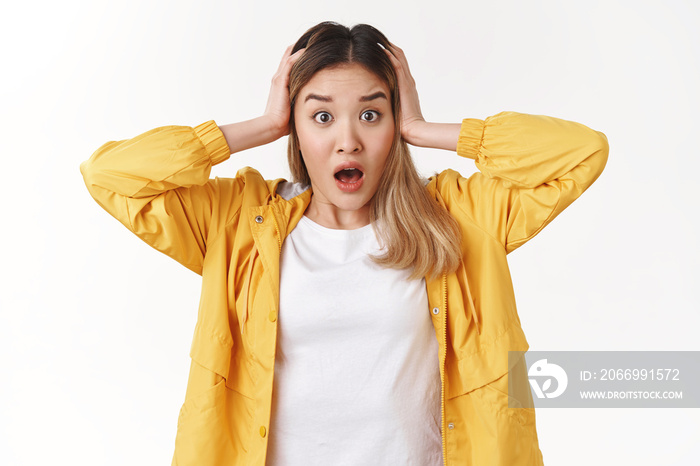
x: 345, y: 126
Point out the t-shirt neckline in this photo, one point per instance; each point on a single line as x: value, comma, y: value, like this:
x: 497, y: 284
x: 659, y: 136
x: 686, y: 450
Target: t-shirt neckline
x: 336, y: 232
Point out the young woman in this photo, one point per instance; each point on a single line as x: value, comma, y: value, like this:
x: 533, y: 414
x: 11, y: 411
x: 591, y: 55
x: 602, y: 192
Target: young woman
x: 358, y: 314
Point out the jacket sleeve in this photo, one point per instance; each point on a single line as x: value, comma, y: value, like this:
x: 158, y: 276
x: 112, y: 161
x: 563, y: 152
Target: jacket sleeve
x: 531, y: 167
x: 157, y: 185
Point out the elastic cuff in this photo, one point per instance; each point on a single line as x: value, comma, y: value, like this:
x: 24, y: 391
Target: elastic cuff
x: 471, y: 134
x: 214, y: 141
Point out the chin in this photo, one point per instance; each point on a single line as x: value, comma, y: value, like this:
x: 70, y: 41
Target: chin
x: 352, y: 206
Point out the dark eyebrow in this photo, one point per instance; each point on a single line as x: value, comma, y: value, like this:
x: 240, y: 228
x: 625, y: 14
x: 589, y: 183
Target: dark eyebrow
x: 366, y: 98
x: 322, y: 98
x: 376, y: 95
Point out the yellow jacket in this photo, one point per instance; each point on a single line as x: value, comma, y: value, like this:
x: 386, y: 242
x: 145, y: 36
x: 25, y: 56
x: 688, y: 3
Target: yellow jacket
x: 231, y: 230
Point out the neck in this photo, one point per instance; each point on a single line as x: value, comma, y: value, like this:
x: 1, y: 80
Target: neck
x: 330, y: 216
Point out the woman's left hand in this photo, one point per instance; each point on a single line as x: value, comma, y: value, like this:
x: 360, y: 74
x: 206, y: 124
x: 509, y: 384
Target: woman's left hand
x: 414, y: 129
x: 411, y: 117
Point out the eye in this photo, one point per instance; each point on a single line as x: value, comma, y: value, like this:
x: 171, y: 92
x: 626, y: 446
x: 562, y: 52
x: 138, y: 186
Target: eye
x: 323, y: 117
x: 370, y: 115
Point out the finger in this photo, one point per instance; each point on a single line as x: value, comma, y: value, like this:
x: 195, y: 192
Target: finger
x: 402, y: 73
x: 285, y: 57
x: 394, y: 61
x: 289, y: 62
x: 389, y: 49
x: 282, y: 75
x: 295, y: 56
x: 401, y: 57
x: 398, y: 57
x: 396, y: 50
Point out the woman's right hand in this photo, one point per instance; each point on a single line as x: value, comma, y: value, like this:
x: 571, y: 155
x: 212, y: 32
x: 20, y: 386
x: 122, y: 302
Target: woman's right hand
x: 274, y: 122
x: 277, y: 111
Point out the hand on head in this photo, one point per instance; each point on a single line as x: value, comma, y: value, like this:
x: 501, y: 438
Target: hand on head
x: 278, y: 104
x: 411, y: 116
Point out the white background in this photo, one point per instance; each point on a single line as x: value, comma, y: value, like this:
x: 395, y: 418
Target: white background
x: 95, y: 326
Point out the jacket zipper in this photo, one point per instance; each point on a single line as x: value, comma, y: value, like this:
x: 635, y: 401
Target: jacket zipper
x: 442, y: 367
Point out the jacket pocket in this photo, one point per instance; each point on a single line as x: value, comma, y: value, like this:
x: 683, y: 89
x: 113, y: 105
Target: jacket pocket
x: 490, y: 424
x: 515, y: 404
x: 483, y: 430
x: 212, y: 427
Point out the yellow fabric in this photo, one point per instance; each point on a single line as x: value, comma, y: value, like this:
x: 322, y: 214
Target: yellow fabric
x: 230, y: 230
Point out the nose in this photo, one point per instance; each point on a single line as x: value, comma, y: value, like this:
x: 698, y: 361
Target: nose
x: 348, y: 140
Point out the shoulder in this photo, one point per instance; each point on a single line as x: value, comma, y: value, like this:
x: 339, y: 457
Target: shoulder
x: 447, y: 183
x: 250, y: 184
x: 464, y: 197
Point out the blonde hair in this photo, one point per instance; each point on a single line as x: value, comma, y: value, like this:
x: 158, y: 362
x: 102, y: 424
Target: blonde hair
x: 417, y: 232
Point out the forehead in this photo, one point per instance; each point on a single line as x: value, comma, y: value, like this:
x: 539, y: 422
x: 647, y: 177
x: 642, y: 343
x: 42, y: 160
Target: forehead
x: 342, y: 80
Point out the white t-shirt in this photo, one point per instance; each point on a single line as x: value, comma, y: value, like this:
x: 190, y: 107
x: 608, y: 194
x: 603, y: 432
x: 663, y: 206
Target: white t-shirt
x: 357, y: 378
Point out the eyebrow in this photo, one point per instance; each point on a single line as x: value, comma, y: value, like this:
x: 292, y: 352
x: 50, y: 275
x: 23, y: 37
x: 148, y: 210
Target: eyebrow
x: 364, y: 98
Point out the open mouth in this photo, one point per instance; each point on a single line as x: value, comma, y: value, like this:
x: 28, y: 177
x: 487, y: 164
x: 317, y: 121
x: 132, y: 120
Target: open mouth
x: 349, y: 179
x: 349, y: 175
